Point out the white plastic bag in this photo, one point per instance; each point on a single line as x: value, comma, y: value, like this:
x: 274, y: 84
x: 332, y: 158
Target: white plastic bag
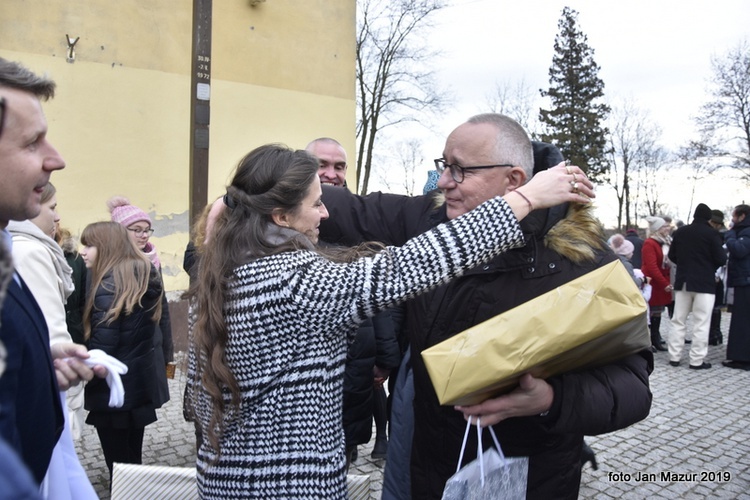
x: 490, y: 476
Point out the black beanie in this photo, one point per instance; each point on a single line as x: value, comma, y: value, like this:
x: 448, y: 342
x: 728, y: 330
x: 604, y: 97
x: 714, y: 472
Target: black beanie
x: 702, y: 212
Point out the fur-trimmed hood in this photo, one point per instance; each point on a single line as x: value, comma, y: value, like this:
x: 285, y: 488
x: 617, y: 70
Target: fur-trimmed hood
x: 578, y: 236
x: 570, y: 230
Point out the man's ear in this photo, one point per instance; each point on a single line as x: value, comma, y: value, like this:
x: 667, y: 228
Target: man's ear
x: 280, y: 217
x: 516, y: 177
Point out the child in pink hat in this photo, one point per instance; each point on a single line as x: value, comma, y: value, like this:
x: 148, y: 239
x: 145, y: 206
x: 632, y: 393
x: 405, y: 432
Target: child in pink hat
x: 138, y: 224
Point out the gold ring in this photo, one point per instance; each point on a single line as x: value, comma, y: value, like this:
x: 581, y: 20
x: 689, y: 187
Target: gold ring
x: 567, y: 169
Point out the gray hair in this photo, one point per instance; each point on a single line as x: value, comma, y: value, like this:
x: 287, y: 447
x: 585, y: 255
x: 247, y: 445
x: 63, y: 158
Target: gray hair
x: 513, y: 144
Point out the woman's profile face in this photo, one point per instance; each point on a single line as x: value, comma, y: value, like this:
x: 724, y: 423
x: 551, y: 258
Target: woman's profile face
x: 48, y: 218
x: 306, y: 218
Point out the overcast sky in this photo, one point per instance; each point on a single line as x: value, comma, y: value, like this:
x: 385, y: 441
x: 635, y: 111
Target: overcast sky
x: 655, y: 52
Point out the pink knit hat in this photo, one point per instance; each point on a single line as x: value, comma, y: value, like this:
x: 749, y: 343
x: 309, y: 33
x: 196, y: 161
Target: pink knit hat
x: 125, y: 213
x: 621, y: 246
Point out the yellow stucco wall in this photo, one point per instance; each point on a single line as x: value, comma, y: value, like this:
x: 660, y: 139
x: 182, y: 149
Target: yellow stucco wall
x: 282, y: 71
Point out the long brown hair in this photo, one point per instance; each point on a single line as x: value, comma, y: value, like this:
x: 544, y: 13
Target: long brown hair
x: 268, y: 179
x: 117, y: 254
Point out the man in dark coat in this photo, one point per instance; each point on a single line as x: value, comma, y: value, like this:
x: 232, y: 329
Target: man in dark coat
x: 545, y: 420
x: 31, y: 415
x: 737, y: 241
x: 697, y: 252
x: 15, y: 478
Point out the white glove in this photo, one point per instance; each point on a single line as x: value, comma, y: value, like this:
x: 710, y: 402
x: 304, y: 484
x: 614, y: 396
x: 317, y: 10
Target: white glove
x: 115, y: 368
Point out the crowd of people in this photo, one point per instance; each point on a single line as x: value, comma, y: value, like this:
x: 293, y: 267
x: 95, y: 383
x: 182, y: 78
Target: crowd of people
x: 305, y: 298
x: 694, y: 270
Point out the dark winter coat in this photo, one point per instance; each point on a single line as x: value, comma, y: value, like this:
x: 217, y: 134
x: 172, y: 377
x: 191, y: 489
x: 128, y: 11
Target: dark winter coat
x: 652, y: 265
x: 697, y: 252
x: 31, y: 416
x: 163, y: 351
x: 590, y: 402
x: 737, y: 241
x: 375, y: 343
x: 128, y: 338
x: 637, y: 242
x: 76, y: 302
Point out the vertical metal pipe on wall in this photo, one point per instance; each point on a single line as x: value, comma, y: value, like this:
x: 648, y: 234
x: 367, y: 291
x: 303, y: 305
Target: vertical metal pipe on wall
x: 200, y: 106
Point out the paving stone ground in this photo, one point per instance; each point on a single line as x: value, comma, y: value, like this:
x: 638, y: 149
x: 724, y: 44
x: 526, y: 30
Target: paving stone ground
x: 699, y: 428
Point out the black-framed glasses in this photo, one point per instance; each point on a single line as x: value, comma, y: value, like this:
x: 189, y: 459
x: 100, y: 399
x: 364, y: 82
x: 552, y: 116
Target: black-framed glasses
x: 457, y: 171
x: 2, y: 114
x: 139, y: 232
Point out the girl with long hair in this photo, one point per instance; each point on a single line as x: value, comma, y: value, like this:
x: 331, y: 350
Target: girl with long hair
x: 274, y: 315
x: 123, y: 307
x: 138, y: 223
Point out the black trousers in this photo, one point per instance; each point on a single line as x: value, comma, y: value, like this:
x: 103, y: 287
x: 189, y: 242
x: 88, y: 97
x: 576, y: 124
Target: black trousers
x: 121, y: 445
x: 738, y: 345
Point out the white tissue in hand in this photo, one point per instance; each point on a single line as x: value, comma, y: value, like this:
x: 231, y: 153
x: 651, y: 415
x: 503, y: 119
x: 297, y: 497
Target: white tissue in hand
x: 115, y: 368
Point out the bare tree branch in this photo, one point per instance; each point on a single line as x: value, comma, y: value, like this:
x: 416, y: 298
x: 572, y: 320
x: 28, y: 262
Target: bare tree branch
x: 633, y: 147
x: 519, y: 101
x: 394, y: 83
x: 724, y: 121
x: 700, y: 158
x: 652, y: 178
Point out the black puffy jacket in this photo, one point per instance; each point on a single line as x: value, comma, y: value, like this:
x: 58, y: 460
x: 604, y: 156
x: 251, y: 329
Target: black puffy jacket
x: 128, y: 338
x: 589, y: 402
x: 375, y: 343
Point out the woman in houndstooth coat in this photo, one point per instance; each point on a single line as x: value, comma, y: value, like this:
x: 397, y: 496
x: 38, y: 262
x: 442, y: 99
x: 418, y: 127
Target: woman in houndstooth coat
x: 274, y: 315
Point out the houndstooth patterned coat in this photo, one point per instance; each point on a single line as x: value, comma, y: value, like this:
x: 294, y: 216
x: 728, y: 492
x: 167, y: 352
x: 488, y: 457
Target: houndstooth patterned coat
x: 290, y: 317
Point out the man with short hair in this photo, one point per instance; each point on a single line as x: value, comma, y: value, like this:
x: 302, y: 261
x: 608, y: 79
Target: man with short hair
x: 697, y: 252
x: 491, y: 155
x: 332, y: 158
x: 31, y: 416
x: 375, y: 350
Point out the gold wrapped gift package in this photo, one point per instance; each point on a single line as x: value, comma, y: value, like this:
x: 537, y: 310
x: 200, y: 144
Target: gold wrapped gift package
x: 592, y: 320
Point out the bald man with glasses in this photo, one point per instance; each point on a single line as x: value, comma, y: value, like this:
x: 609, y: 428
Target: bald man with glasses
x: 491, y: 155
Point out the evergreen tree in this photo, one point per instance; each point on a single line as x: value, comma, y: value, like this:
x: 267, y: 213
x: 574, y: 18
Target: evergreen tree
x: 575, y: 122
